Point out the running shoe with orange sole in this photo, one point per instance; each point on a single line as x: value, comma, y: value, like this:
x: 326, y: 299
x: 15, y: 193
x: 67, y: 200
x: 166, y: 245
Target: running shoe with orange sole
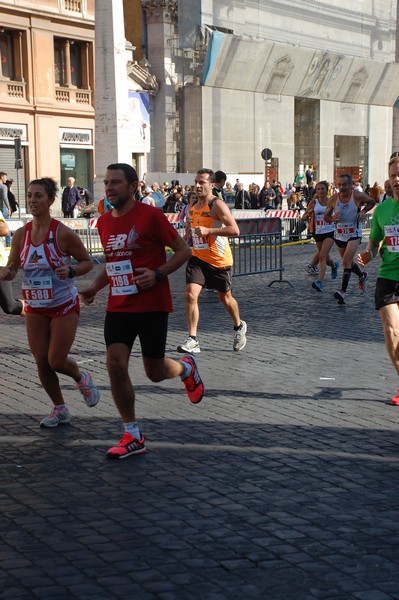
x: 127, y: 447
x: 193, y: 383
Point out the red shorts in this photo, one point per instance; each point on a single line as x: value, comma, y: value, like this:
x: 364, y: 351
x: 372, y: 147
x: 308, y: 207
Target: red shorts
x: 55, y: 312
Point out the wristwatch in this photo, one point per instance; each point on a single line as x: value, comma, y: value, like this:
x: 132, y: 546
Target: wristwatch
x: 158, y: 275
x: 71, y: 273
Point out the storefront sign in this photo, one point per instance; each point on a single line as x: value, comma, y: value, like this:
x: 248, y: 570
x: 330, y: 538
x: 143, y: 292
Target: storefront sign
x: 9, y: 131
x: 82, y: 137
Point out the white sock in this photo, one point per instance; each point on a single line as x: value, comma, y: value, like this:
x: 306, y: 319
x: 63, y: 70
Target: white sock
x: 133, y: 429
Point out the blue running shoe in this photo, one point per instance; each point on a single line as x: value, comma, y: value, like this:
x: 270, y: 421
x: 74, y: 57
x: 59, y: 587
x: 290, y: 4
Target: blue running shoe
x: 334, y: 270
x: 317, y: 285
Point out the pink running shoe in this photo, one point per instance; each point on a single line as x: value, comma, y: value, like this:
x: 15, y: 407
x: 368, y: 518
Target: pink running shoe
x: 193, y: 383
x: 393, y: 401
x: 127, y: 447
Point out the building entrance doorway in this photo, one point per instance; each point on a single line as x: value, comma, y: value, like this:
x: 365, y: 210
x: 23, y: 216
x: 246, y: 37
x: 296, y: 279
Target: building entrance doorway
x: 351, y: 153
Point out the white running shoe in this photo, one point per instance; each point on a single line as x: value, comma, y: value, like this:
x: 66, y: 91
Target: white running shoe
x: 90, y: 393
x: 190, y: 346
x: 240, y: 339
x: 58, y: 416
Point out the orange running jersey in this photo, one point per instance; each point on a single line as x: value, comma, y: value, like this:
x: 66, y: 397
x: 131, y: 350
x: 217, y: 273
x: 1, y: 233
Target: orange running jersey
x: 215, y: 250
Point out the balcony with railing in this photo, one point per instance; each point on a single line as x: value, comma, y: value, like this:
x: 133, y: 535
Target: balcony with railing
x: 73, y: 96
x: 12, y: 89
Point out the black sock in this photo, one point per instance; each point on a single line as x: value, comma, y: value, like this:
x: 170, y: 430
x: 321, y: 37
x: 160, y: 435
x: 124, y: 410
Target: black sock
x: 355, y: 269
x: 345, y: 279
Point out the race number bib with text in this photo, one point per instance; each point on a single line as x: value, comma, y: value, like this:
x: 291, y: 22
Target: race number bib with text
x: 38, y: 291
x: 392, y: 237
x: 199, y: 241
x: 121, y: 279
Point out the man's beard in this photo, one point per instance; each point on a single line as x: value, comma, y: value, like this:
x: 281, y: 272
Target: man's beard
x: 120, y: 201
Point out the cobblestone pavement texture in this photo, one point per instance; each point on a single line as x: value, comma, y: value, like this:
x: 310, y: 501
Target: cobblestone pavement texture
x: 281, y: 485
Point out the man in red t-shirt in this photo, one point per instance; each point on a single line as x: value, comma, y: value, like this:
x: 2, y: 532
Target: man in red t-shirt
x: 134, y: 236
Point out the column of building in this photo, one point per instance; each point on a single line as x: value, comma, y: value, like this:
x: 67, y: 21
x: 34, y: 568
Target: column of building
x: 112, y: 130
x: 161, y: 31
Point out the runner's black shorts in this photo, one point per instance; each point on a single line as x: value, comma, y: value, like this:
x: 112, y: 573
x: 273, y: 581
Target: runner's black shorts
x: 320, y: 237
x: 342, y: 244
x: 150, y: 327
x: 386, y: 292
x: 204, y: 274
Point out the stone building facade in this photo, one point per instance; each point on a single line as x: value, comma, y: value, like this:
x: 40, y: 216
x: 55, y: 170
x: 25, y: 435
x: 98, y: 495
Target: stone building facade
x: 315, y: 81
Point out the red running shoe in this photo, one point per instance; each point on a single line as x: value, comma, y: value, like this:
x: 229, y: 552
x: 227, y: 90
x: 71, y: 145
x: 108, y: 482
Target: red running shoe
x: 193, y: 383
x: 127, y: 447
x: 393, y: 401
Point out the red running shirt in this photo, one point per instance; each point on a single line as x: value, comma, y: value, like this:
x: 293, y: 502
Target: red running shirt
x: 136, y: 239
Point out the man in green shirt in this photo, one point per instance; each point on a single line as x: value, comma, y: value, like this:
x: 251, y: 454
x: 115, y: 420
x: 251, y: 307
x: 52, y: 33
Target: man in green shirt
x: 384, y: 234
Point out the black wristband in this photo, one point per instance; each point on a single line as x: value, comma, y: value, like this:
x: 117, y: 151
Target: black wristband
x: 71, y: 273
x: 158, y: 275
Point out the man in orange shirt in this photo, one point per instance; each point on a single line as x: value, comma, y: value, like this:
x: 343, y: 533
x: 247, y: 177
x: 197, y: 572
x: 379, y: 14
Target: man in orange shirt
x: 211, y: 262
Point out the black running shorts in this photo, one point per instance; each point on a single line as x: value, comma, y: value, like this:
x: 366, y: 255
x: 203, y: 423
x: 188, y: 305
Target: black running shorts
x: 150, y: 327
x: 199, y: 271
x: 386, y: 292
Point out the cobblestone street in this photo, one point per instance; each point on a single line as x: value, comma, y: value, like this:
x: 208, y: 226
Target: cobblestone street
x: 281, y: 485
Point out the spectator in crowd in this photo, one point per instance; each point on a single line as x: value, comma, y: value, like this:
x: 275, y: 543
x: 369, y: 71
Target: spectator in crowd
x: 299, y: 178
x: 12, y: 201
x: 267, y: 196
x: 173, y: 202
x: 104, y: 206
x: 4, y: 202
x: 242, y: 200
x: 230, y: 193
x: 86, y: 196
x: 147, y: 197
x: 157, y: 195
x: 278, y: 200
x: 309, y: 176
x: 311, y: 190
x: 289, y: 190
x: 164, y: 190
x: 235, y: 186
x: 70, y: 198
x: 220, y: 180
x: 357, y: 186
x: 388, y: 192
x: 254, y: 190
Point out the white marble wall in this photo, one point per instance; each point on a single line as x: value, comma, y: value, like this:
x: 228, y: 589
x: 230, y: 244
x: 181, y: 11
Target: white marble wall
x: 112, y: 133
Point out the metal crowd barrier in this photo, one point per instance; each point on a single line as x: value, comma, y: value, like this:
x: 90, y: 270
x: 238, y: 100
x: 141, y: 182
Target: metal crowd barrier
x: 258, y: 247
